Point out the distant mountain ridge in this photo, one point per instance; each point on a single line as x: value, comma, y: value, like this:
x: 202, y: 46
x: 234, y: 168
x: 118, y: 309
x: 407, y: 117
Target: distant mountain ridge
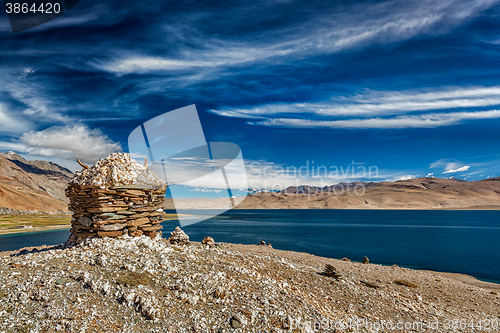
x: 40, y: 186
x: 311, y: 189
x: 32, y: 185
x: 418, y: 193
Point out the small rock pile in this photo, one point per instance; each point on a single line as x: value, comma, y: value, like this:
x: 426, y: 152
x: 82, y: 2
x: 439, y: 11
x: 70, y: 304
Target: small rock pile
x: 208, y: 241
x: 331, y: 271
x: 116, y: 196
x: 178, y: 237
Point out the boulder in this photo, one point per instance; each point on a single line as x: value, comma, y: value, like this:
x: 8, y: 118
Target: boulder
x: 208, y: 241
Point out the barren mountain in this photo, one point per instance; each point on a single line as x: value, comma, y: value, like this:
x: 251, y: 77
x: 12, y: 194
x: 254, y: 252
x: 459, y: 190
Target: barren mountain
x: 32, y: 185
x: 419, y: 193
x: 39, y: 186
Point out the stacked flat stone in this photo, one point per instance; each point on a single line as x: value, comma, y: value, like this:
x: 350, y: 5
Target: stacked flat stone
x: 178, y: 237
x: 111, y: 209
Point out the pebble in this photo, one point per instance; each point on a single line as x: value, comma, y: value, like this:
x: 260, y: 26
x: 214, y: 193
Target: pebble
x: 139, y: 284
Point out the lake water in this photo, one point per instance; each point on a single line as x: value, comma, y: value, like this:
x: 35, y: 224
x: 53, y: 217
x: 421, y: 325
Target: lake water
x: 450, y: 241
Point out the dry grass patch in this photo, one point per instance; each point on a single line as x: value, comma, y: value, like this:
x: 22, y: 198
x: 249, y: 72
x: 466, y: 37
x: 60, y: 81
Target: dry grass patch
x: 134, y: 279
x: 10, y: 222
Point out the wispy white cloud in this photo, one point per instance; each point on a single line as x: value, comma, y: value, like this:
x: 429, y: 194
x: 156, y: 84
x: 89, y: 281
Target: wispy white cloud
x: 461, y: 169
x: 377, y: 103
x: 332, y: 32
x: 400, y: 177
x: 41, y: 104
x: 11, y: 123
x: 450, y: 167
x: 213, y: 57
x: 138, y: 64
x: 430, y: 120
x: 27, y: 71
x: 440, y: 163
x: 406, y: 177
x: 13, y: 146
x: 67, y: 143
x: 204, y: 189
x: 369, y: 109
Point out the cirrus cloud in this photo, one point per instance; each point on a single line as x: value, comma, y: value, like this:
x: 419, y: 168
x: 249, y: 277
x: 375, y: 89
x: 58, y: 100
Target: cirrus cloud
x: 461, y: 169
x: 377, y: 103
x: 12, y: 124
x: 421, y: 121
x: 331, y: 32
x: 449, y: 167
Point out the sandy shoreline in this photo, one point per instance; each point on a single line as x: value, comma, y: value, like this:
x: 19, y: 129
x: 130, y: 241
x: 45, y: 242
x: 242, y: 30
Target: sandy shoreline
x: 48, y: 227
x: 468, y: 279
x: 34, y: 229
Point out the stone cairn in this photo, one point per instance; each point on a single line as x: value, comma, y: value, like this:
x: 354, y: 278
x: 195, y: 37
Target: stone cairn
x: 178, y: 237
x: 114, y: 197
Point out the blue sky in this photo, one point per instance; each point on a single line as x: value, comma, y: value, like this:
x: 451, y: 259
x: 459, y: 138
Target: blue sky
x: 408, y: 87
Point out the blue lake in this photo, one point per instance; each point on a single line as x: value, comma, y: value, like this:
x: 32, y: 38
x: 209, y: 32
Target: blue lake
x: 450, y: 241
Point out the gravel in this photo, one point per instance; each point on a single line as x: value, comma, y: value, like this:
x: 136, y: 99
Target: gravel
x: 139, y: 284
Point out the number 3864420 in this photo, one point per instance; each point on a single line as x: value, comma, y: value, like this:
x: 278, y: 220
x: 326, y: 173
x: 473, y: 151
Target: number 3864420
x: 34, y: 8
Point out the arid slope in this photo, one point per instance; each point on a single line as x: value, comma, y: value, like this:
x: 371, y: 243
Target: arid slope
x: 32, y: 185
x: 143, y: 285
x: 420, y: 193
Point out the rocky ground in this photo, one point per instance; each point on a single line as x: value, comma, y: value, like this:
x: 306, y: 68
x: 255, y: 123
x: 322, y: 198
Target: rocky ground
x: 146, y: 285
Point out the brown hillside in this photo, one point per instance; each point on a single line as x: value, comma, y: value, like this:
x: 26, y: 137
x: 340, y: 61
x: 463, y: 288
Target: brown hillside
x: 32, y: 185
x: 420, y: 193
